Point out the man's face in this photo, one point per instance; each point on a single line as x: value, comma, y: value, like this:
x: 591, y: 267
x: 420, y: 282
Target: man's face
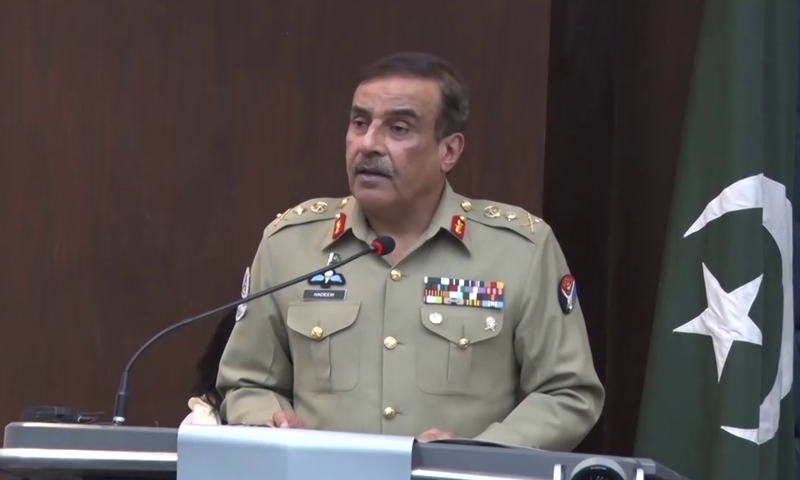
x: 392, y: 153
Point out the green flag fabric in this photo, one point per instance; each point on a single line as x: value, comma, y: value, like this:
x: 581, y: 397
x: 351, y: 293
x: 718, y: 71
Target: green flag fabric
x: 717, y: 402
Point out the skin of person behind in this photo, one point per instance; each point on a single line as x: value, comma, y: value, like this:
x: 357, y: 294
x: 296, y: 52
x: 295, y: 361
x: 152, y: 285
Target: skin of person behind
x: 470, y: 328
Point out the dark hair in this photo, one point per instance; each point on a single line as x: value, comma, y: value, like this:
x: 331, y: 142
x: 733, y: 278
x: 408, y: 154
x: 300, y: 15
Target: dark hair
x: 454, y: 110
x: 205, y: 383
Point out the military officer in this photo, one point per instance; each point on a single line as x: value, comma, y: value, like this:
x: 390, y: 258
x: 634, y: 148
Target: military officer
x: 470, y: 328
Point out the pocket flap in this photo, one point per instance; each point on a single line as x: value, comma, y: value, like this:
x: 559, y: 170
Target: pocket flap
x: 455, y: 323
x: 318, y: 320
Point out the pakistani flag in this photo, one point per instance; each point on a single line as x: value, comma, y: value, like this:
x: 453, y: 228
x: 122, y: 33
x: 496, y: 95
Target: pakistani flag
x: 717, y: 403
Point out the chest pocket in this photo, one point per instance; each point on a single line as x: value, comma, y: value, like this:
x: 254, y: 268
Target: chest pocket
x: 462, y: 350
x: 324, y: 345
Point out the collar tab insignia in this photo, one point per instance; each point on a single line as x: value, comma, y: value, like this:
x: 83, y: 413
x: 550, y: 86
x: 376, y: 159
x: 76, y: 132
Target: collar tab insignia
x: 339, y: 225
x: 458, y: 226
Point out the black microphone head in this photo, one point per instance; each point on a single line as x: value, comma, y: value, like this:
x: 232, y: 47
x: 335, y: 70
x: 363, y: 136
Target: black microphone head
x: 383, y: 246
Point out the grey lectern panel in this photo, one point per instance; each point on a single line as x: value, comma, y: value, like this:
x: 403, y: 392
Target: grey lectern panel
x: 210, y: 452
x: 90, y: 437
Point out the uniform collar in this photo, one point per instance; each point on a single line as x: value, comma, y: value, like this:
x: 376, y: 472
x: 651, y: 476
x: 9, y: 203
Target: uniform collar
x: 449, y: 217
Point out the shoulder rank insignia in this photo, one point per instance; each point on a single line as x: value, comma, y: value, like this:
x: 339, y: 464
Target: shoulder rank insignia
x: 338, y: 226
x: 491, y: 212
x: 242, y: 308
x: 532, y: 221
x: 458, y: 226
x: 281, y: 217
x: 328, y: 279
x: 319, y: 207
x: 567, y: 293
x: 502, y: 216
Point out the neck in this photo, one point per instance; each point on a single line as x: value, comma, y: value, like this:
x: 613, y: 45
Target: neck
x: 407, y: 222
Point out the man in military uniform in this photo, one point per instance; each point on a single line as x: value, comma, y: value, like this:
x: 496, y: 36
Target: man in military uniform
x: 474, y: 310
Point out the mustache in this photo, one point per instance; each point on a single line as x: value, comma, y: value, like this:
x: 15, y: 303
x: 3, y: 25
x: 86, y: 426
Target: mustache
x: 375, y: 165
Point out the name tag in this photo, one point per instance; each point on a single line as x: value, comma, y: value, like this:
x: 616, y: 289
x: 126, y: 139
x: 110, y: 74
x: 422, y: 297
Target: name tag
x: 324, y: 294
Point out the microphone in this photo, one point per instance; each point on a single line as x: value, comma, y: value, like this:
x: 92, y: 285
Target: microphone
x: 380, y: 246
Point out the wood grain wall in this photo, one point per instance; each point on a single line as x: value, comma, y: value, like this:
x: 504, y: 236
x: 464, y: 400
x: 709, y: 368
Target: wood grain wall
x: 145, y: 144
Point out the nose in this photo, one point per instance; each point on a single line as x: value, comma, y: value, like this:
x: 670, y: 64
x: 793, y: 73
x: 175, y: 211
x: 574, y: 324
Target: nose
x: 372, y: 142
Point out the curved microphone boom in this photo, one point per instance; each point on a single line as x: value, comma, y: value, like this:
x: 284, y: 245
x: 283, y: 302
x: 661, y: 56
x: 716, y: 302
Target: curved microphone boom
x: 380, y: 246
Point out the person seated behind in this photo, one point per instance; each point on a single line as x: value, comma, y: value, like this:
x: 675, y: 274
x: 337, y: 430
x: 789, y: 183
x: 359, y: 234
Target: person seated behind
x: 206, y: 400
x: 435, y: 339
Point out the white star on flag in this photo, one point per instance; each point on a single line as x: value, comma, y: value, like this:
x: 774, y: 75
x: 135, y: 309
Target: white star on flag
x: 727, y: 318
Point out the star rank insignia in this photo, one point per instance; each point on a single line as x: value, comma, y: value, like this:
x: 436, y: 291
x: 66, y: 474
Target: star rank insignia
x: 338, y: 226
x: 567, y: 293
x: 458, y: 226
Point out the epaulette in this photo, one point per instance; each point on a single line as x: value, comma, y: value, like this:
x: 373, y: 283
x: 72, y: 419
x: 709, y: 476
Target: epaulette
x: 313, y: 210
x: 508, y: 217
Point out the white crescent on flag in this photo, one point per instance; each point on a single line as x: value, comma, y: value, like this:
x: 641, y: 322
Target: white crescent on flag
x: 759, y: 191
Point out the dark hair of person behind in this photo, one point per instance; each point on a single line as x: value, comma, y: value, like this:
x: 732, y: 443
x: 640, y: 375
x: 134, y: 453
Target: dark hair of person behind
x: 205, y: 383
x: 454, y: 112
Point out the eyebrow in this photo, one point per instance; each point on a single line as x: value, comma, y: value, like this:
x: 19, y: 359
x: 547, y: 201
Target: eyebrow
x: 398, y: 112
x: 405, y: 112
x: 359, y: 111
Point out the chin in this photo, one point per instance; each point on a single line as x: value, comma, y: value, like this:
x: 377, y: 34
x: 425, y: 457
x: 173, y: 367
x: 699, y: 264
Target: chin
x: 373, y: 197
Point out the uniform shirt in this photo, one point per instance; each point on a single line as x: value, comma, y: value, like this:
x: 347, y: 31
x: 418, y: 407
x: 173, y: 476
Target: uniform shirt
x: 384, y: 353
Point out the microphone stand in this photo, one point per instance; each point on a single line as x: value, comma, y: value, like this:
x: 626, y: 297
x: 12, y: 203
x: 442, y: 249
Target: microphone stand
x: 121, y: 403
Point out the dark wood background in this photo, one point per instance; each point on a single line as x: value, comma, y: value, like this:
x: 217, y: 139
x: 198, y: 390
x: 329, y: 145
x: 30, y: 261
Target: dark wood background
x: 145, y: 144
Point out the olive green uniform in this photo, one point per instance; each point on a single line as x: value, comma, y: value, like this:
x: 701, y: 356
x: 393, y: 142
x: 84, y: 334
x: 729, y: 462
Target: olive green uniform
x: 382, y: 355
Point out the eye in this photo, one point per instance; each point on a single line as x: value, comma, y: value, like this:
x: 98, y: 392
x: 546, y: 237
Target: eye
x: 401, y: 129
x: 359, y: 123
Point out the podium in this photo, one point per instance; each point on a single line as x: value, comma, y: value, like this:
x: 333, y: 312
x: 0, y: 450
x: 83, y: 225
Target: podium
x: 41, y: 451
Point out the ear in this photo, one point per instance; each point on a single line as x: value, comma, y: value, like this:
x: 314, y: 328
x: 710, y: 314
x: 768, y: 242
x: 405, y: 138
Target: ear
x: 450, y: 149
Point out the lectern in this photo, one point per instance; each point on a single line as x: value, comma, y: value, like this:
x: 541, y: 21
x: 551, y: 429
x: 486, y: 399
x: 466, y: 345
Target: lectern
x: 40, y: 451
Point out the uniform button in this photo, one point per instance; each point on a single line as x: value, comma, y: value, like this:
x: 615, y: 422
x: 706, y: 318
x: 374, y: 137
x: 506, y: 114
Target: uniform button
x: 390, y: 342
x: 463, y: 343
x: 316, y: 332
x: 396, y: 275
x: 389, y: 413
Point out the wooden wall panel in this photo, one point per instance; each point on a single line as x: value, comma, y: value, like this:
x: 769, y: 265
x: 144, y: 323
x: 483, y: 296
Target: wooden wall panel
x: 145, y: 144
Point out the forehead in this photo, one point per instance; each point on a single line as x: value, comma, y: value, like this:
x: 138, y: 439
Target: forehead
x: 385, y: 94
